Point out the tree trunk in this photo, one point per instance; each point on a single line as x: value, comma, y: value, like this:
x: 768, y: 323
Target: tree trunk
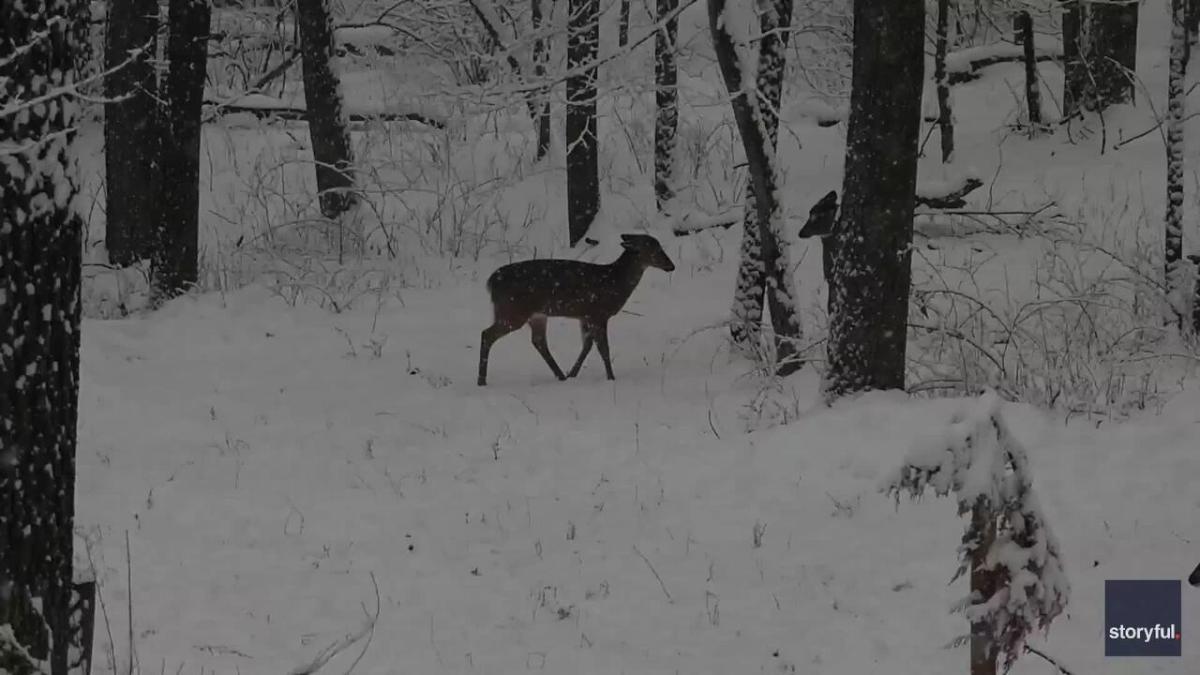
x: 945, y: 114
x: 326, y: 119
x: 623, y: 25
x: 871, y: 248
x: 583, y: 159
x: 1075, y: 80
x: 130, y: 130
x: 752, y: 280
x: 41, y: 45
x: 540, y: 54
x: 1033, y: 95
x: 1174, y: 271
x: 984, y: 584
x: 176, y: 259
x: 1112, y: 50
x: 666, y: 99
x: 758, y: 125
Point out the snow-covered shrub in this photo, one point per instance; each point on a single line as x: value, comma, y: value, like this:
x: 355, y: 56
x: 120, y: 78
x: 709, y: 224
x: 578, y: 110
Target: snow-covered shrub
x: 977, y: 458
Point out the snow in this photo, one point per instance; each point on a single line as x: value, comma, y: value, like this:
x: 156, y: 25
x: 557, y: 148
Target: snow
x: 273, y: 461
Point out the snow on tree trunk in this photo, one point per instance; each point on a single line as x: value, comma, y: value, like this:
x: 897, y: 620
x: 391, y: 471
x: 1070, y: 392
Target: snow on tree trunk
x: 1175, y: 271
x: 176, y: 255
x: 541, y: 52
x: 327, y: 126
x: 130, y: 130
x: 945, y: 114
x: 765, y: 270
x: 870, y: 250
x: 41, y: 45
x: 1017, y: 577
x: 583, y: 159
x: 666, y: 100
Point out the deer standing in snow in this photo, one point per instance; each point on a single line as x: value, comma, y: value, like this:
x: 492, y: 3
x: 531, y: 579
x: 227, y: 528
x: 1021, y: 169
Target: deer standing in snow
x: 533, y: 290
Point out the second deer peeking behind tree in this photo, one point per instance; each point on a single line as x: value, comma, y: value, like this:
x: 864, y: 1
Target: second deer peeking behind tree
x: 533, y: 290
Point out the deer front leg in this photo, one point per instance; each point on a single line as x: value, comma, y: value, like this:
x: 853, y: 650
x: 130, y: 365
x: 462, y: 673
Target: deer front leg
x: 601, y: 334
x: 586, y: 328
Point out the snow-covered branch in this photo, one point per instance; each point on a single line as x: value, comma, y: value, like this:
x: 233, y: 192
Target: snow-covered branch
x: 977, y: 457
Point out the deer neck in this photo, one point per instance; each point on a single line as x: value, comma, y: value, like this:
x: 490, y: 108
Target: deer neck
x: 627, y: 271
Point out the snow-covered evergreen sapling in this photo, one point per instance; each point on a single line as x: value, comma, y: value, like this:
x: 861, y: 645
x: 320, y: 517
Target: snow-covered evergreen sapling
x: 977, y: 457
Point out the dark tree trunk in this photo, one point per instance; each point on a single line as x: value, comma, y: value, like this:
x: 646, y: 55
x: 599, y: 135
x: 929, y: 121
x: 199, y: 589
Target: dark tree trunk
x: 871, y: 248
x: 176, y: 261
x: 773, y: 269
x: 583, y: 159
x: 41, y: 45
x: 1100, y: 50
x: 1112, y: 50
x: 945, y: 114
x: 540, y: 53
x: 1075, y: 81
x: 130, y: 130
x: 666, y: 99
x: 1174, y: 271
x: 623, y: 25
x: 326, y: 121
x: 1033, y: 92
x: 757, y: 261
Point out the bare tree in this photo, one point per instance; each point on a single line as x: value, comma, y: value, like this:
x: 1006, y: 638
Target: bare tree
x: 1176, y: 113
x: 131, y: 133
x: 871, y: 247
x: 583, y: 159
x: 666, y: 100
x: 41, y: 45
x: 945, y: 114
x: 765, y: 262
x: 175, y: 260
x: 326, y: 118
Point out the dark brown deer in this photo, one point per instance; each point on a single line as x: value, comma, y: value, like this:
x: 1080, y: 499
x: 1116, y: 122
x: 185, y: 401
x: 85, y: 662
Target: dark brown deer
x: 533, y: 290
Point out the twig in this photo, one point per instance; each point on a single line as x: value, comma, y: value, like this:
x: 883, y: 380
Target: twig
x: 129, y: 599
x: 655, y: 573
x: 1062, y: 669
x: 325, y: 655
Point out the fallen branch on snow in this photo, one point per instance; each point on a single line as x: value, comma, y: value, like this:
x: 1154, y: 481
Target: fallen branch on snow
x: 946, y: 194
x: 285, y: 112
x: 325, y: 655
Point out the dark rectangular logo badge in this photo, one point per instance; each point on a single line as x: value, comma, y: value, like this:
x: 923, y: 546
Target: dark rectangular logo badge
x: 1143, y: 618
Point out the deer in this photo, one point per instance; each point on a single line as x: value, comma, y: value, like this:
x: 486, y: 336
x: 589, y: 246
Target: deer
x: 531, y: 291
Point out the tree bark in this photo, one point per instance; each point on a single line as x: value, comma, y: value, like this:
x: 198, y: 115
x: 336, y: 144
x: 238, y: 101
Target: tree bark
x: 130, y: 130
x: 1112, y: 50
x: 583, y: 159
x: 666, y: 100
x: 753, y: 285
x: 1174, y: 269
x: 1033, y: 92
x: 326, y: 118
x: 540, y: 53
x: 945, y: 114
x: 870, y: 250
x: 1075, y: 73
x: 176, y: 259
x: 42, y: 44
x: 623, y: 25
x: 984, y: 584
x: 758, y: 126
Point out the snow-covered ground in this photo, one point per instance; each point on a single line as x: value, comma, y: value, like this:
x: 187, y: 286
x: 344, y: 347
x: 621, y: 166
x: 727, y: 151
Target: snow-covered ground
x: 274, y: 464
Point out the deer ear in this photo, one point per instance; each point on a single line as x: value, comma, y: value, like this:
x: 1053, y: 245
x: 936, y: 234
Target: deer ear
x: 628, y: 237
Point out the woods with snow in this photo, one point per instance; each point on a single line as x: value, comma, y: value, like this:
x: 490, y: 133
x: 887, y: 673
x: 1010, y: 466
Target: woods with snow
x: 248, y: 420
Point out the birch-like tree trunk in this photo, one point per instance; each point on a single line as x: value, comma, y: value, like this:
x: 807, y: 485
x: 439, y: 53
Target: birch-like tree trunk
x: 131, y: 132
x: 327, y: 125
x: 176, y: 257
x: 753, y: 282
x: 41, y: 45
x: 871, y: 250
x: 666, y: 100
x: 583, y: 158
x: 1176, y: 113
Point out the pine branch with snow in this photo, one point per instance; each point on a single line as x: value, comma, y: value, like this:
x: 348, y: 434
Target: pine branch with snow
x: 977, y: 457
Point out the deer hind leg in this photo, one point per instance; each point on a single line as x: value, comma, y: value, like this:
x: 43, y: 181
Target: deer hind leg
x: 537, y: 326
x: 494, y: 332
x: 600, y: 329
x: 588, y: 339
